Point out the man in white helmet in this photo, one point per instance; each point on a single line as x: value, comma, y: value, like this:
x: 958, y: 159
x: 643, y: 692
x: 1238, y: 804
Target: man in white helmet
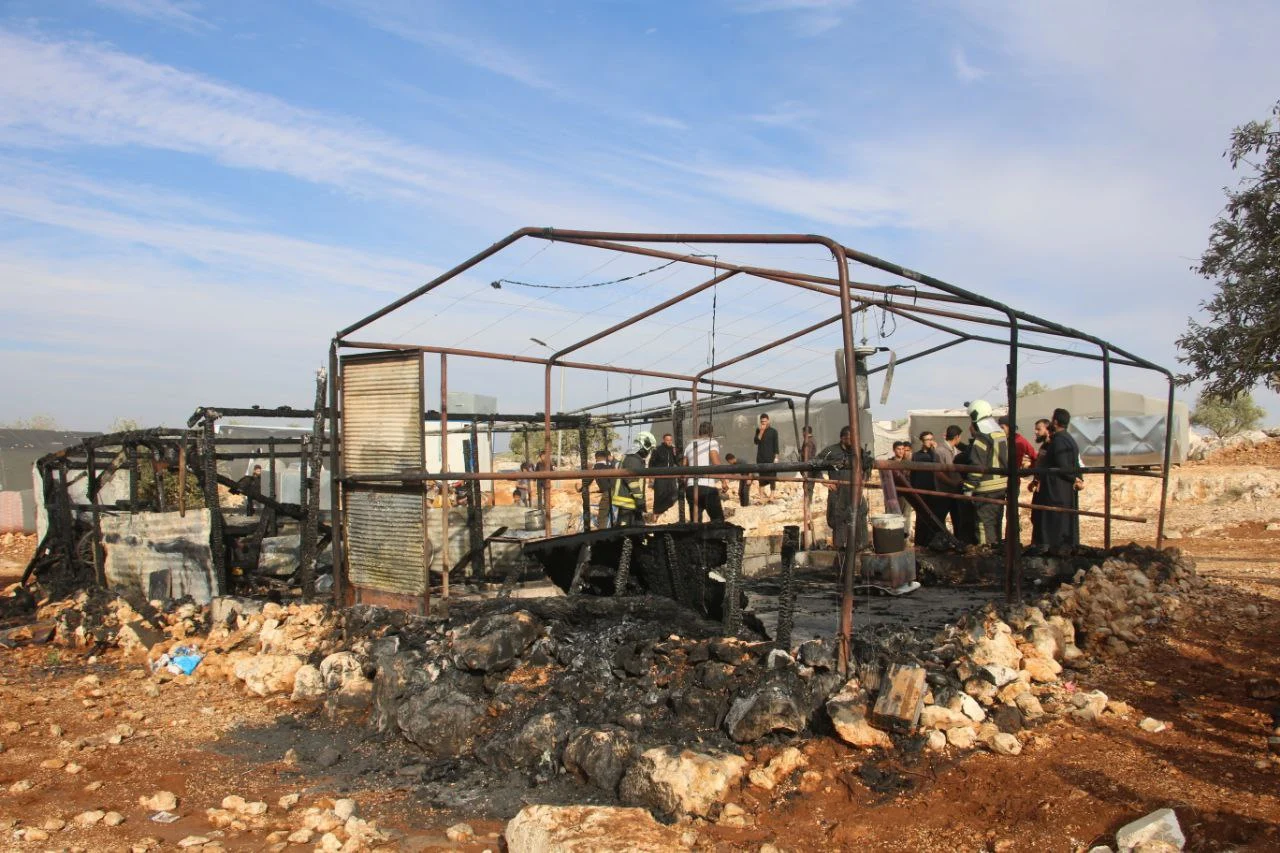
x: 989, y: 449
x: 628, y: 492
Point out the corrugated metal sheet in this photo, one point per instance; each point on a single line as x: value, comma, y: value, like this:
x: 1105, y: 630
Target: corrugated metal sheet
x: 382, y: 413
x: 159, y: 554
x: 382, y: 432
x: 385, y: 542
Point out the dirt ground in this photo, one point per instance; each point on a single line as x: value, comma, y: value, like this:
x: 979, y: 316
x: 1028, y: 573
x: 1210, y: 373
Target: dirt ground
x: 1073, y: 785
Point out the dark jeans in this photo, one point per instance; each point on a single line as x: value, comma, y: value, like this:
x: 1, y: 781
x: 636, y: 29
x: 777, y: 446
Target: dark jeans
x: 708, y: 500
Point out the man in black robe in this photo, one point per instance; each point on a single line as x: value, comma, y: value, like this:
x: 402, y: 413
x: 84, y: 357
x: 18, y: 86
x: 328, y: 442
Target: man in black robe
x: 1061, y: 530
x: 666, y: 490
x: 766, y: 441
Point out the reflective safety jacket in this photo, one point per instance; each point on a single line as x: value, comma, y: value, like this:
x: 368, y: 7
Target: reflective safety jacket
x: 628, y: 492
x: 988, y: 450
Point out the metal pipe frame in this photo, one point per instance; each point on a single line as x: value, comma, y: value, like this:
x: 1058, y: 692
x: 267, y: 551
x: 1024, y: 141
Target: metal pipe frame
x: 921, y: 288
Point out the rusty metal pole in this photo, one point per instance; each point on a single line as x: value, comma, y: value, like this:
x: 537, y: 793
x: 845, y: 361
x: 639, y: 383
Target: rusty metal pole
x: 1012, y: 531
x: 546, y: 446
x: 694, y: 514
x: 586, y: 486
x: 493, y: 484
x: 1164, y: 470
x: 1106, y: 445
x: 445, y: 486
x: 335, y: 461
x: 855, y: 470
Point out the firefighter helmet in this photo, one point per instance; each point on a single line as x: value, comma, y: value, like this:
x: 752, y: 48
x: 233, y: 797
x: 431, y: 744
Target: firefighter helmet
x: 645, y: 441
x: 978, y: 410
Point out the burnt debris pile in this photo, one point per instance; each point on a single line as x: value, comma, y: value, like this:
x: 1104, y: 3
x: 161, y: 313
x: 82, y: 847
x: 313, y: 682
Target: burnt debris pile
x: 636, y: 699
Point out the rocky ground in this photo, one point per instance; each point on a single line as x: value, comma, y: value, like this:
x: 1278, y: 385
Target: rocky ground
x: 1121, y: 702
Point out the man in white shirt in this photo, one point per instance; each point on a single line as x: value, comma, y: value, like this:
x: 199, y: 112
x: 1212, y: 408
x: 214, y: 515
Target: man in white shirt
x: 703, y: 492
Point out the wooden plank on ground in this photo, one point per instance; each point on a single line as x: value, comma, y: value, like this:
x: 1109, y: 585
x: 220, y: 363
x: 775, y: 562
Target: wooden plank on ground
x: 901, y: 698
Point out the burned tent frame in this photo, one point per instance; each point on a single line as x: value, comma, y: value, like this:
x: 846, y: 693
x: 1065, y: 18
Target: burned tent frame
x: 195, y: 452
x: 921, y: 298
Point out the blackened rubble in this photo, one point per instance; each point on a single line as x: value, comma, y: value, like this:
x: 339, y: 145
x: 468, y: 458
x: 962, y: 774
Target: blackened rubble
x: 631, y: 699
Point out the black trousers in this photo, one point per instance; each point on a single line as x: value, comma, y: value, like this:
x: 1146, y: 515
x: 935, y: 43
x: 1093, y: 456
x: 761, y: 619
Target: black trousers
x: 708, y: 500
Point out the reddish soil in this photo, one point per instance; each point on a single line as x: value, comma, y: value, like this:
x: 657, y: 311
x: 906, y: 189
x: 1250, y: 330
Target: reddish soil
x: 1267, y: 455
x: 1073, y: 785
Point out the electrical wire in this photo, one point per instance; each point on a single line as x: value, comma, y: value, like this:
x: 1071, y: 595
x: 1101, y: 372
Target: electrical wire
x: 497, y: 284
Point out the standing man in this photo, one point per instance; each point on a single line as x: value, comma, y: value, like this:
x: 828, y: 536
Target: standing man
x: 701, y: 491
x: 1061, y: 529
x: 840, y: 497
x: 666, y: 490
x: 925, y: 528
x: 251, y: 484
x: 744, y: 484
x: 544, y: 486
x: 949, y: 481
x: 1036, y: 487
x: 522, y: 494
x: 628, y: 492
x: 766, y: 441
x: 1023, y: 450
x: 808, y: 450
x: 902, y: 479
x: 990, y: 449
x: 604, y: 487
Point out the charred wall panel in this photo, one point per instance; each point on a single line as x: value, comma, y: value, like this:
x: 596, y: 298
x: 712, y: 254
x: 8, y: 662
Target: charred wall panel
x: 382, y: 433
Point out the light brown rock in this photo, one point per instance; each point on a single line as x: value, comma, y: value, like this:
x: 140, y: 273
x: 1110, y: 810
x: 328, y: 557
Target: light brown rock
x: 588, y: 829
x: 779, y: 767
x: 681, y: 782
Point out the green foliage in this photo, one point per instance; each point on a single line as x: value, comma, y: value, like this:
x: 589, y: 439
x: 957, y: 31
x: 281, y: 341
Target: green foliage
x: 33, y: 422
x: 149, y: 481
x: 595, y: 441
x: 1239, y: 345
x: 1227, y: 417
x: 1032, y: 387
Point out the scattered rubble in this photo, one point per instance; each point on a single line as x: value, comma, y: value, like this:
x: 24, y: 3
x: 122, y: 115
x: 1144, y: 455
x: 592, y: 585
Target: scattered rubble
x: 637, y: 698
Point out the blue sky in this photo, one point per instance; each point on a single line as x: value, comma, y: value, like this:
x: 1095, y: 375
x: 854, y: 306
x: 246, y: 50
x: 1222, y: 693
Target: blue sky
x: 195, y: 195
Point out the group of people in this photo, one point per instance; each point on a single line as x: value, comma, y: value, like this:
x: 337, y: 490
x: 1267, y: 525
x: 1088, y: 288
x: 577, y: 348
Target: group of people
x: 934, y: 496
x: 929, y: 498
x: 622, y: 500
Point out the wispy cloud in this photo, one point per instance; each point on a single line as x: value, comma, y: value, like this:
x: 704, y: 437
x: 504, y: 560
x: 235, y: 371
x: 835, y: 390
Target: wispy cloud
x: 786, y: 114
x: 472, y: 51
x: 805, y: 18
x: 180, y: 13
x: 67, y: 94
x: 966, y: 71
x: 268, y: 256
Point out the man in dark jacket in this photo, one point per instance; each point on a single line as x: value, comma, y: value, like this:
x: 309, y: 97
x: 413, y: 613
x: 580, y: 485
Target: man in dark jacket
x: 766, y: 440
x: 1061, y: 529
x: 666, y: 490
x: 926, y: 530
